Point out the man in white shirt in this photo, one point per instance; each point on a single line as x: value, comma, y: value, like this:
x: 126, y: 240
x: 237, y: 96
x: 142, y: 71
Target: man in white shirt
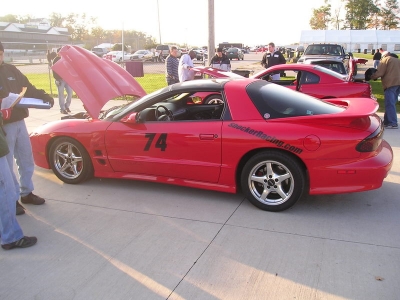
x: 185, y: 66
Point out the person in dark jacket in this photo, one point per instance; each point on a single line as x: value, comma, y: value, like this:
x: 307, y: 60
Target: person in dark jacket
x: 17, y: 134
x: 220, y: 61
x: 11, y: 234
x: 272, y: 58
x: 376, y: 58
x: 61, y: 86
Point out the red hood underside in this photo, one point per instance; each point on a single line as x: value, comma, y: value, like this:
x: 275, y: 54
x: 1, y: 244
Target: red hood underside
x: 94, y: 80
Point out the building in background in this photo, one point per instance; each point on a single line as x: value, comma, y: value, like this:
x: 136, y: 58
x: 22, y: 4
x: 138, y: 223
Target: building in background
x: 35, y: 36
x: 365, y: 41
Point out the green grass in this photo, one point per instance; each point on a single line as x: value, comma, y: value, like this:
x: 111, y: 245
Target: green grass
x: 362, y: 55
x: 150, y: 82
x: 153, y: 82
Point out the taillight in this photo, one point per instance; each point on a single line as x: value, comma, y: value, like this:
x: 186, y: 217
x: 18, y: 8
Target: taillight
x: 372, y: 142
x: 368, y: 93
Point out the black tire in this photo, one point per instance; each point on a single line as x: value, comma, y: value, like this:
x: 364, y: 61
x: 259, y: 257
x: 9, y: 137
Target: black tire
x: 273, y: 181
x: 70, y: 161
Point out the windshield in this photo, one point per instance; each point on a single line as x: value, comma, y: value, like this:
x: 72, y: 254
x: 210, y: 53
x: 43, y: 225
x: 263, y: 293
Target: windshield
x: 324, y: 49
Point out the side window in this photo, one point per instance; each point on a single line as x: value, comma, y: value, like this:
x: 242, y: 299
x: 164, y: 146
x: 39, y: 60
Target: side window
x: 309, y: 78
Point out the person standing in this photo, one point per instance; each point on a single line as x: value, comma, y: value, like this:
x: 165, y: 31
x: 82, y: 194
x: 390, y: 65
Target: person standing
x: 376, y: 58
x: 17, y: 134
x: 271, y: 58
x: 220, y: 61
x: 389, y: 71
x: 61, y: 86
x: 171, y: 66
x: 50, y: 57
x: 10, y: 232
x: 185, y: 66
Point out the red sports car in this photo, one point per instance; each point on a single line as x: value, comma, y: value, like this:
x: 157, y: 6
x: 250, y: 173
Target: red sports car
x: 314, y: 80
x: 273, y: 144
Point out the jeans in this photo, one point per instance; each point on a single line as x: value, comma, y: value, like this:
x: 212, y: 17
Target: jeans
x: 20, y: 148
x: 64, y: 104
x: 391, y: 98
x: 376, y: 64
x: 10, y: 231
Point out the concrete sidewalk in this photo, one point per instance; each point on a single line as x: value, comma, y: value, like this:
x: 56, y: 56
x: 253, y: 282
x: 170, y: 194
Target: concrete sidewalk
x: 116, y: 239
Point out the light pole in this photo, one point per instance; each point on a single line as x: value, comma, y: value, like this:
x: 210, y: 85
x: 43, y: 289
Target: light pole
x: 211, y: 30
x: 159, y: 27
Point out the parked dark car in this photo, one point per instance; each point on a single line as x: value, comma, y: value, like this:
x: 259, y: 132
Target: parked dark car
x: 235, y: 53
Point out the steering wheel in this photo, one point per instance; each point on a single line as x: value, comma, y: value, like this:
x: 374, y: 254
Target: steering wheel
x: 214, y: 99
x: 165, y: 115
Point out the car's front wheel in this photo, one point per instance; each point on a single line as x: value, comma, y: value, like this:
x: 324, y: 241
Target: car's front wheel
x: 273, y: 181
x: 70, y: 161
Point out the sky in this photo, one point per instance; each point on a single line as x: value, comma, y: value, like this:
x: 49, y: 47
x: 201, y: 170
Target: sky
x: 251, y: 22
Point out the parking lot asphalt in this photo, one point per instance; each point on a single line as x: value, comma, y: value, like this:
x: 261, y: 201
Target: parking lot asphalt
x: 116, y: 239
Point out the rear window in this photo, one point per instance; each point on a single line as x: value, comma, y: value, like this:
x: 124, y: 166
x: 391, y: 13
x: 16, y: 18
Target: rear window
x: 232, y: 50
x: 330, y: 72
x: 273, y: 102
x: 337, y: 67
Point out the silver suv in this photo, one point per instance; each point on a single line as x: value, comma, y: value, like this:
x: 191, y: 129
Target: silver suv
x: 319, y: 52
x: 164, y: 50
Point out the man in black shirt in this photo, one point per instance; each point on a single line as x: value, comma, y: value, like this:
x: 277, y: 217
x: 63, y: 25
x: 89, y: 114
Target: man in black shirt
x: 221, y: 61
x: 17, y: 134
x: 272, y: 58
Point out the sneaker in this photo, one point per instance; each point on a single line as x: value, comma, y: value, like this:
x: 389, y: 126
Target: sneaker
x: 31, y: 198
x: 20, y: 210
x: 67, y: 110
x: 391, y: 126
x: 64, y: 111
x: 25, y: 242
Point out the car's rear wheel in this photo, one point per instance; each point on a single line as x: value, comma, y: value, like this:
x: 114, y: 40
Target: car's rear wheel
x: 70, y: 161
x: 273, y: 181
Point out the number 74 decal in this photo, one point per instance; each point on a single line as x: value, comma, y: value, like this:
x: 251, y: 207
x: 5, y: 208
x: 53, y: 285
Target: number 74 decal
x: 160, y: 143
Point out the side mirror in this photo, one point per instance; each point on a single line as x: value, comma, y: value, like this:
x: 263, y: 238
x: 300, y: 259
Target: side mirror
x: 131, y: 119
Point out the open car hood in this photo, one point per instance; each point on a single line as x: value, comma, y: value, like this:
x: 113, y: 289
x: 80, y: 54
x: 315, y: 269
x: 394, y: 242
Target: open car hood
x: 94, y: 80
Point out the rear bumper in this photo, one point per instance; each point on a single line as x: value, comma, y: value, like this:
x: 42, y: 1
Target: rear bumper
x: 363, y: 175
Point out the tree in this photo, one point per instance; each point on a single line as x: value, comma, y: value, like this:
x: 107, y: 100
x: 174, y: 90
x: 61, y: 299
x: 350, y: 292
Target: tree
x: 56, y: 20
x: 335, y: 20
x: 321, y: 17
x: 376, y: 16
x: 389, y: 13
x: 98, y: 33
x: 9, y: 18
x: 358, y: 13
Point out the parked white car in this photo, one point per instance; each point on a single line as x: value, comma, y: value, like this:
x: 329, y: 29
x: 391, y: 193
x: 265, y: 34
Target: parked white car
x: 118, y: 56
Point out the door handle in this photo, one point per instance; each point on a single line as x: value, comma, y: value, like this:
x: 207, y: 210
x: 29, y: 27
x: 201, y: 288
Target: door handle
x: 208, y: 136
